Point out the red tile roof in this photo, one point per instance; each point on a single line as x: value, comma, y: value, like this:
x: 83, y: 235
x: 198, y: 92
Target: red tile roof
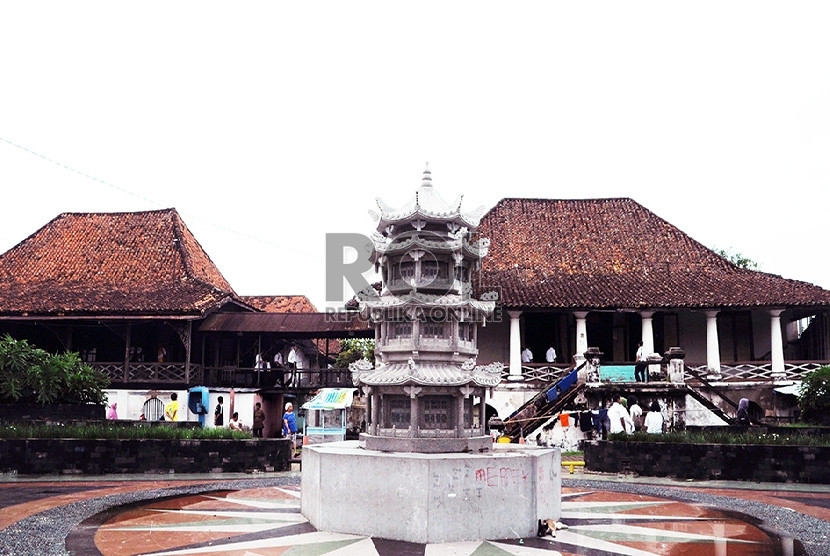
x: 280, y: 303
x: 616, y: 254
x: 291, y: 325
x: 128, y: 263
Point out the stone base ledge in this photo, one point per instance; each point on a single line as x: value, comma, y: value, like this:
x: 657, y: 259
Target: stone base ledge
x: 473, y: 444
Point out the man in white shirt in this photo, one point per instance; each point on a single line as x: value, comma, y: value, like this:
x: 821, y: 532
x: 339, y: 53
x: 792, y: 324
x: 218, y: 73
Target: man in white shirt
x: 294, y: 363
x: 640, y: 365
x: 280, y: 368
x: 618, y: 415
x: 527, y: 355
x: 550, y: 356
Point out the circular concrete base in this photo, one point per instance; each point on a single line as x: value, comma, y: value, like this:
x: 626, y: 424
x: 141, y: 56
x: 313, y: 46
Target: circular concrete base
x: 472, y: 445
x: 430, y: 498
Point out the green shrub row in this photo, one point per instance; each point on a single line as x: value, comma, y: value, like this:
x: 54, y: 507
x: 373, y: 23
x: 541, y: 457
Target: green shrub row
x: 726, y: 436
x: 103, y: 431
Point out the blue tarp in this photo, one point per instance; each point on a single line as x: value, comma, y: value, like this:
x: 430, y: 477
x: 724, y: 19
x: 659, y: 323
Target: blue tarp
x: 562, y: 386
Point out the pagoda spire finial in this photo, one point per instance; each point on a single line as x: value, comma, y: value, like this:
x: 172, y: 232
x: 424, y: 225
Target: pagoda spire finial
x: 427, y: 181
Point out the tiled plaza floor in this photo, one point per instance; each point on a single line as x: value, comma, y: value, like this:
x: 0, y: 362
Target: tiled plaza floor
x: 266, y: 520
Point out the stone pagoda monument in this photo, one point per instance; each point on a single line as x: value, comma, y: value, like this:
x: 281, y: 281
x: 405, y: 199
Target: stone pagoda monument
x: 421, y: 390
x: 424, y: 471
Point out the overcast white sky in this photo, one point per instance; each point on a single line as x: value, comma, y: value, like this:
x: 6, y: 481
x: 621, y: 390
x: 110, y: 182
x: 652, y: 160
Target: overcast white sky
x: 269, y: 124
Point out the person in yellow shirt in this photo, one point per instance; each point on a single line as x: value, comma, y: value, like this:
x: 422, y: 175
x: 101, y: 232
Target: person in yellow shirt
x: 171, y: 410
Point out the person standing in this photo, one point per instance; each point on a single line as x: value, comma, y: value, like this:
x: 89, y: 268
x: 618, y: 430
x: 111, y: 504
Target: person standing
x: 550, y: 355
x: 654, y: 419
x: 171, y: 410
x: 258, y: 422
x: 294, y: 362
x: 113, y: 412
x: 618, y: 415
x: 289, y: 426
x: 527, y: 355
x: 219, y: 413
x: 279, y: 369
x: 743, y: 412
x: 640, y: 365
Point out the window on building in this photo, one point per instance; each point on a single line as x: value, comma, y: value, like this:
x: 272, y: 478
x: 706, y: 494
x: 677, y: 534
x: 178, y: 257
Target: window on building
x: 432, y: 270
x: 468, y: 413
x: 399, y: 329
x: 433, y: 329
x: 398, y: 411
x: 466, y: 331
x: 153, y: 409
x: 407, y: 270
x: 435, y: 412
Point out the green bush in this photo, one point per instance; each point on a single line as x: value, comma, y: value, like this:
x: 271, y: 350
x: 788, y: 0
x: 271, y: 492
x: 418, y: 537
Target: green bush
x: 814, y: 396
x: 30, y: 374
x: 103, y: 431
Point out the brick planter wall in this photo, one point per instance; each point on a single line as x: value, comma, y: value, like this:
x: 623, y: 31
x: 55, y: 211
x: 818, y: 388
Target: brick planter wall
x: 743, y: 462
x: 38, y: 456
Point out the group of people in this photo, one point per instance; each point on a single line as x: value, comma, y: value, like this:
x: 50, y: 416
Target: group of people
x: 626, y: 416
x: 257, y: 423
x: 527, y: 355
x: 171, y: 413
x: 295, y: 360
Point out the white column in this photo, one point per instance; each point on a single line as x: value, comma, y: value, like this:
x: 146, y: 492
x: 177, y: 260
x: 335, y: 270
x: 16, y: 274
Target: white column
x: 581, y: 333
x: 648, y: 332
x: 712, y: 345
x: 515, y: 346
x: 776, y: 341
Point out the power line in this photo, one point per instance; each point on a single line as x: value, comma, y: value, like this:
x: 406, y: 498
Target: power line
x: 148, y: 200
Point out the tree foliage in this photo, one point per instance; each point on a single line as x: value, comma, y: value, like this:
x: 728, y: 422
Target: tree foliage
x: 814, y: 396
x: 354, y: 349
x: 30, y: 374
x: 737, y: 259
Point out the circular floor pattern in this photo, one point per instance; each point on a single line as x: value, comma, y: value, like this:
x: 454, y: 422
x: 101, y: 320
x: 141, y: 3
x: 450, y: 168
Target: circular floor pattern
x: 267, y: 521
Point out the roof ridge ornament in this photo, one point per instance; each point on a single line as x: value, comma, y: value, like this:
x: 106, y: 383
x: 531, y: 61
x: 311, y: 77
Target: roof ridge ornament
x: 427, y: 181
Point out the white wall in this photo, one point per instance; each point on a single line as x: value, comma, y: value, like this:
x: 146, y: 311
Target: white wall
x: 131, y: 402
x: 506, y: 400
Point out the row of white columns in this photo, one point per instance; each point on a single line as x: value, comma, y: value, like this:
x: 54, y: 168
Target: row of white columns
x: 712, y: 346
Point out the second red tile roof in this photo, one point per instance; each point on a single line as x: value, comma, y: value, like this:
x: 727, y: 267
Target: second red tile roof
x: 616, y: 254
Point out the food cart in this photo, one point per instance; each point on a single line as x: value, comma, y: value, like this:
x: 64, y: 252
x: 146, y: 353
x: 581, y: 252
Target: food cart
x: 326, y: 415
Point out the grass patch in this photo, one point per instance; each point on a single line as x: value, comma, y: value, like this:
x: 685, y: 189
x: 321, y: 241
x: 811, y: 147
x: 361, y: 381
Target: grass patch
x: 102, y: 431
x: 726, y: 437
